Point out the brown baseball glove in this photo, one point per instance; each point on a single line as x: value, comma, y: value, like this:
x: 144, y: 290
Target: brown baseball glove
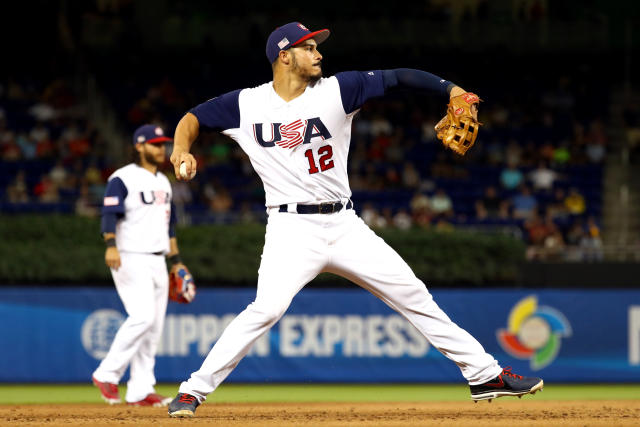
x: 458, y: 130
x: 182, y: 289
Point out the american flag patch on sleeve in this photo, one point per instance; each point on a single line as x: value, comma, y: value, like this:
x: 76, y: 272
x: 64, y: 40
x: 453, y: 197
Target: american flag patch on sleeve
x: 110, y: 201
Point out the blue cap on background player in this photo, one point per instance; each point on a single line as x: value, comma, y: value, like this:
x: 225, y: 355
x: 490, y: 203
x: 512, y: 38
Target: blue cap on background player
x: 151, y: 134
x: 289, y: 35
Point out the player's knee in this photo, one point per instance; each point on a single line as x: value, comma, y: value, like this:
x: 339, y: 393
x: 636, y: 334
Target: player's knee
x: 270, y: 313
x: 144, y: 322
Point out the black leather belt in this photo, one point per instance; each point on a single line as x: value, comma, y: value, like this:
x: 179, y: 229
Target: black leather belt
x: 322, y: 208
x: 157, y: 253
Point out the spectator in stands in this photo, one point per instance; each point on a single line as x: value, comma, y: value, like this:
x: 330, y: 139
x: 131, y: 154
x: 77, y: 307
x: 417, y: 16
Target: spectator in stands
x: 11, y: 151
x: 385, y: 219
x: 546, y: 151
x: 554, y: 246
x: 372, y: 179
x: 530, y: 155
x: 59, y: 175
x: 410, y: 176
x: 421, y: 209
x: 575, y: 202
x: 218, y: 197
x: 596, y: 142
x: 524, y: 204
x: 391, y: 177
x: 561, y: 155
x: 511, y: 177
x: 513, y: 153
x: 369, y: 214
x: 441, y: 204
x: 93, y: 177
x: 402, y: 220
x: 39, y: 133
x: 46, y: 190
x: 84, y: 205
x: 491, y: 205
x: 542, y: 178
x: 593, y: 242
x: 395, y: 150
x: 17, y: 191
x: 27, y: 146
x: 556, y: 207
x: 182, y: 196
x: 442, y: 168
x: 494, y: 153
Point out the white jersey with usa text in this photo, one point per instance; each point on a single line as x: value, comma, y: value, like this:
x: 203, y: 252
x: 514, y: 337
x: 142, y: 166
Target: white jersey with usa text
x: 298, y: 148
x: 142, y: 201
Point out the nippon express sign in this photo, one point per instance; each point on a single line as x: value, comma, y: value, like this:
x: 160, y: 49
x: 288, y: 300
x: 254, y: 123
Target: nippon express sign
x: 332, y: 335
x: 297, y: 335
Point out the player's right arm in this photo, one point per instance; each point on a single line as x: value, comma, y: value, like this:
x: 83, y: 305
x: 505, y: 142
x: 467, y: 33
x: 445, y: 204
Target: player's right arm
x: 220, y: 113
x: 186, y: 133
x: 112, y: 209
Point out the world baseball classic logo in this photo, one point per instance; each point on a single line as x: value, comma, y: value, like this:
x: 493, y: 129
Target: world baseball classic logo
x: 534, y: 332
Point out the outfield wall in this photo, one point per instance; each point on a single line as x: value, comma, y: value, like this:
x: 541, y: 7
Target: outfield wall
x: 331, y: 335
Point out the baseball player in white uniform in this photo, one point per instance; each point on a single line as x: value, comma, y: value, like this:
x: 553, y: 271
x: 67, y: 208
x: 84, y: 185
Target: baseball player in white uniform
x: 138, y: 226
x: 296, y: 131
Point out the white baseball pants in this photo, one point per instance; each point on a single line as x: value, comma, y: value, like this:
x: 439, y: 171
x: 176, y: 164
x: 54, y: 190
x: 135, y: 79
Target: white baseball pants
x: 142, y: 283
x: 300, y: 246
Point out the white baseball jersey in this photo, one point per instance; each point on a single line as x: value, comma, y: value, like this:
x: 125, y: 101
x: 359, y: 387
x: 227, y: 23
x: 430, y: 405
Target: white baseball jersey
x: 142, y: 201
x: 298, y: 148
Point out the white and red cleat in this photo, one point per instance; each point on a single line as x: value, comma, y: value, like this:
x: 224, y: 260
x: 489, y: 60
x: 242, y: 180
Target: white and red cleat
x: 108, y: 391
x: 152, y: 399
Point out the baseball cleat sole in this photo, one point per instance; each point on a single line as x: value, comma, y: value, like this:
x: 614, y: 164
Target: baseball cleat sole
x: 182, y: 413
x: 495, y: 394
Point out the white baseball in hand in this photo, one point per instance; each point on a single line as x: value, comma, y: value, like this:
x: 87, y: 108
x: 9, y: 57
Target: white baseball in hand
x: 183, y: 172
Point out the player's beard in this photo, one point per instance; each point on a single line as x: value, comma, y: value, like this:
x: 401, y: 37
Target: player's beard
x: 306, y: 75
x: 151, y: 159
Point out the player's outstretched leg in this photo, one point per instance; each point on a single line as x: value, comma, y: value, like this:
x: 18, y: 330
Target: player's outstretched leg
x: 506, y: 384
x: 368, y: 261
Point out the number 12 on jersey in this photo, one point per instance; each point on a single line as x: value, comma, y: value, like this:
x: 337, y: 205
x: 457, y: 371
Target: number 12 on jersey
x: 325, y: 153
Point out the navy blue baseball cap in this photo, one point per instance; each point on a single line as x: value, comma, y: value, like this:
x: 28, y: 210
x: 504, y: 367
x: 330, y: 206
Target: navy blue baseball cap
x: 150, y: 134
x: 289, y: 35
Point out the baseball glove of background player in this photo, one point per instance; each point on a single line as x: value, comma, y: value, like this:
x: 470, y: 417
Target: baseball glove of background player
x: 182, y: 289
x: 458, y: 130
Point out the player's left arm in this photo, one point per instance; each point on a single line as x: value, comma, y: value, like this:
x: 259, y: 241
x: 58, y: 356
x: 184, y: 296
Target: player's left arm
x: 356, y: 87
x: 421, y: 80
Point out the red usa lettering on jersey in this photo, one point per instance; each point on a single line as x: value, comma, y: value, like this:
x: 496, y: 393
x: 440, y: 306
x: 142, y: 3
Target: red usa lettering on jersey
x: 156, y: 197
x: 290, y: 135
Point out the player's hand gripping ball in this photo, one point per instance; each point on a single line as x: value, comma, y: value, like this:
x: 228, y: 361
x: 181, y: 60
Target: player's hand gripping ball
x: 458, y: 130
x: 183, y: 172
x: 182, y: 289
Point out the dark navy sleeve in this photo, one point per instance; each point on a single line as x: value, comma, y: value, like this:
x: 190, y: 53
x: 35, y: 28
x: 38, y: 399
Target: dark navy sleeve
x: 114, y: 196
x: 113, y: 205
x: 220, y: 113
x: 108, y: 222
x: 415, y: 79
x: 173, y: 220
x: 356, y: 87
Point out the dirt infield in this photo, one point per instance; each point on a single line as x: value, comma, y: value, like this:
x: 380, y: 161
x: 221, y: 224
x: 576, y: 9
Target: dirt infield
x: 526, y: 412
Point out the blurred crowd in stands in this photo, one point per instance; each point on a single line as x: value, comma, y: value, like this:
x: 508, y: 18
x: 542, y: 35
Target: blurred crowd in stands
x: 535, y: 172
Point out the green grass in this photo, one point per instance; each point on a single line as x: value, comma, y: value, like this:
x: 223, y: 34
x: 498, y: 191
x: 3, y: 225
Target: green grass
x: 239, y: 393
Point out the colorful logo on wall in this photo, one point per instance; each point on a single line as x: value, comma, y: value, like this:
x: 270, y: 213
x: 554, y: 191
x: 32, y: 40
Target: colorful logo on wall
x: 534, y: 332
